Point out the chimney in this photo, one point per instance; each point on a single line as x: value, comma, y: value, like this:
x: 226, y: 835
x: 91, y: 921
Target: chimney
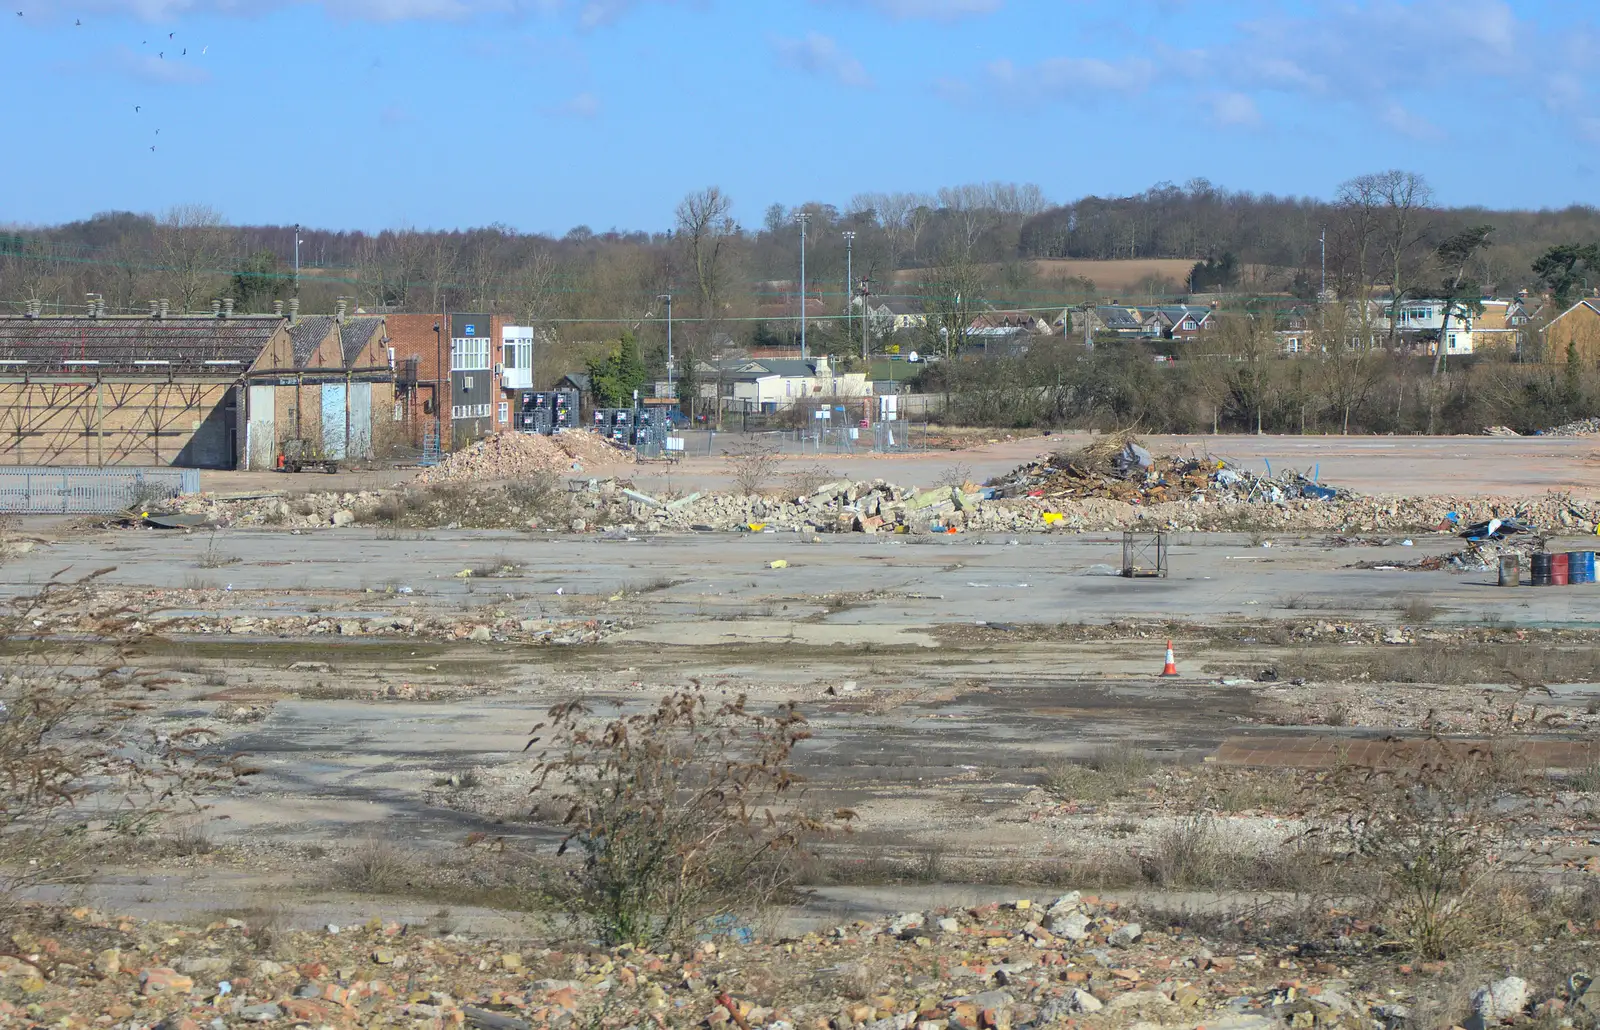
x: 33, y: 309
x: 162, y: 308
x: 277, y: 309
x: 216, y: 308
x: 100, y: 304
x: 338, y: 309
x: 94, y: 305
x: 227, y: 307
x: 155, y: 312
x: 821, y: 366
x: 294, y: 310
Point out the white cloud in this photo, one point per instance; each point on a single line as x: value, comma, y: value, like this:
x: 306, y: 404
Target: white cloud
x: 1073, y: 78
x: 820, y: 55
x: 584, y: 105
x: 1406, y: 123
x: 936, y: 10
x: 1234, y: 110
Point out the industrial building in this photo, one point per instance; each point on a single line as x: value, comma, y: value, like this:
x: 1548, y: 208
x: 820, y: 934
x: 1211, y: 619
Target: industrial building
x: 219, y: 391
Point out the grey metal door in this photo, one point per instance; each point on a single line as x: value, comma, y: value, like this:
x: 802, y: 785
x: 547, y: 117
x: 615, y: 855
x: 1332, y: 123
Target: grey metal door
x: 360, y: 420
x: 261, y: 442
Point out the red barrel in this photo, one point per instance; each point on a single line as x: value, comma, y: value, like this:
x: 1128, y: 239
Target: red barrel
x: 1559, y: 568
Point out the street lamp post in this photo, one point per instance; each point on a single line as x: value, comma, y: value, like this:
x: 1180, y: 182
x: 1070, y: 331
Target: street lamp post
x: 804, y: 219
x: 849, y: 279
x: 297, y: 260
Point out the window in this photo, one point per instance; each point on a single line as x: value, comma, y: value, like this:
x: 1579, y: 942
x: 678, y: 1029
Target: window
x: 1189, y: 325
x: 399, y: 411
x: 519, y: 353
x: 505, y: 412
x: 468, y: 354
x: 466, y: 382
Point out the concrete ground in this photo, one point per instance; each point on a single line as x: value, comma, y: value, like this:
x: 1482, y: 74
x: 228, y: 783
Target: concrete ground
x: 942, y: 675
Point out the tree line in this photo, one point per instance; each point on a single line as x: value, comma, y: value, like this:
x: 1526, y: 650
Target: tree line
x: 956, y: 252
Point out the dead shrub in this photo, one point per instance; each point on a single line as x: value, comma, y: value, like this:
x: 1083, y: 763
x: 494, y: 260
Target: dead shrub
x: 752, y: 465
x: 1428, y: 828
x: 679, y: 815
x: 1417, y: 611
x: 79, y: 772
x: 376, y: 866
x: 808, y: 479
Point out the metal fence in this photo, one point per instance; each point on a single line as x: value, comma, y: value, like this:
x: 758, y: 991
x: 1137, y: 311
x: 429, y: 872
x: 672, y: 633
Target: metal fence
x: 879, y: 438
x: 69, y: 490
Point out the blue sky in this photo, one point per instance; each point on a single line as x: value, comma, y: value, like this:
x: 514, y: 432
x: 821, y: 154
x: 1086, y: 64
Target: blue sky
x: 545, y: 114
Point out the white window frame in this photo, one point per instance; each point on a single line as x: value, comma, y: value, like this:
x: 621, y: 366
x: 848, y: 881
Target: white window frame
x: 469, y: 354
x: 505, y: 412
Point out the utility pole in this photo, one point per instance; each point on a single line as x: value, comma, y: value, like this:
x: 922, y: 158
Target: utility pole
x: 1323, y: 240
x: 849, y: 278
x: 297, y: 259
x: 804, y: 219
x: 668, y: 298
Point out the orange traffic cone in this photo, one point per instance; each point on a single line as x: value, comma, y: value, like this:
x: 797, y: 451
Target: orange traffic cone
x: 1171, y: 668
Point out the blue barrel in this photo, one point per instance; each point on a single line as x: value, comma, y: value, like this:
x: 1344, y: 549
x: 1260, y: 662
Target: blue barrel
x: 1580, y: 566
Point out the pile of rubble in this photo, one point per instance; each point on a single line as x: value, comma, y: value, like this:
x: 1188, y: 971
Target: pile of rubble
x: 1073, y: 961
x: 1582, y: 427
x: 1121, y: 469
x: 520, y: 455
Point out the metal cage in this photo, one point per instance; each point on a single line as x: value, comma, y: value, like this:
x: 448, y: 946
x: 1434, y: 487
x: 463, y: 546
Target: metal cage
x: 1144, y: 555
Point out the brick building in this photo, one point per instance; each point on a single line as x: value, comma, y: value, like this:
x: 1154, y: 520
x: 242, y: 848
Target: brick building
x: 486, y: 364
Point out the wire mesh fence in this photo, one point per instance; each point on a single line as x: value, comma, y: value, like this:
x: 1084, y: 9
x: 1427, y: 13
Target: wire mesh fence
x: 879, y: 438
x: 69, y: 490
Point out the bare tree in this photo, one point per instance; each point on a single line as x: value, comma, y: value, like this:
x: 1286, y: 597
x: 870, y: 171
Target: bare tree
x: 1406, y: 198
x: 705, y: 225
x: 193, y: 245
x: 1358, y: 206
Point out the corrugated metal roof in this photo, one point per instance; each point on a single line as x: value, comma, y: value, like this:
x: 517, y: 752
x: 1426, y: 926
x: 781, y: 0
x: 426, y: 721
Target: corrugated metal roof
x: 118, y: 343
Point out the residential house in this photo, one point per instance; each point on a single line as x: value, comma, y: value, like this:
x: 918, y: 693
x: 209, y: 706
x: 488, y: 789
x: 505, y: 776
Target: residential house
x: 1417, y: 323
x: 1575, y: 331
x: 1114, y: 319
x: 773, y: 384
x: 887, y: 315
x: 1181, y: 321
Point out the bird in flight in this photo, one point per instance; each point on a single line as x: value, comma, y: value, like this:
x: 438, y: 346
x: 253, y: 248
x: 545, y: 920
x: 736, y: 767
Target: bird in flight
x: 185, y: 52
x: 78, y: 23
x: 135, y: 108
x: 162, y: 56
x: 205, y: 48
x: 171, y: 34
x: 158, y: 132
x: 152, y: 149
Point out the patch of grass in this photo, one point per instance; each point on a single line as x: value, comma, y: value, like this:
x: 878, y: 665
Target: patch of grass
x: 1199, y: 854
x: 1111, y: 771
x: 1417, y: 610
